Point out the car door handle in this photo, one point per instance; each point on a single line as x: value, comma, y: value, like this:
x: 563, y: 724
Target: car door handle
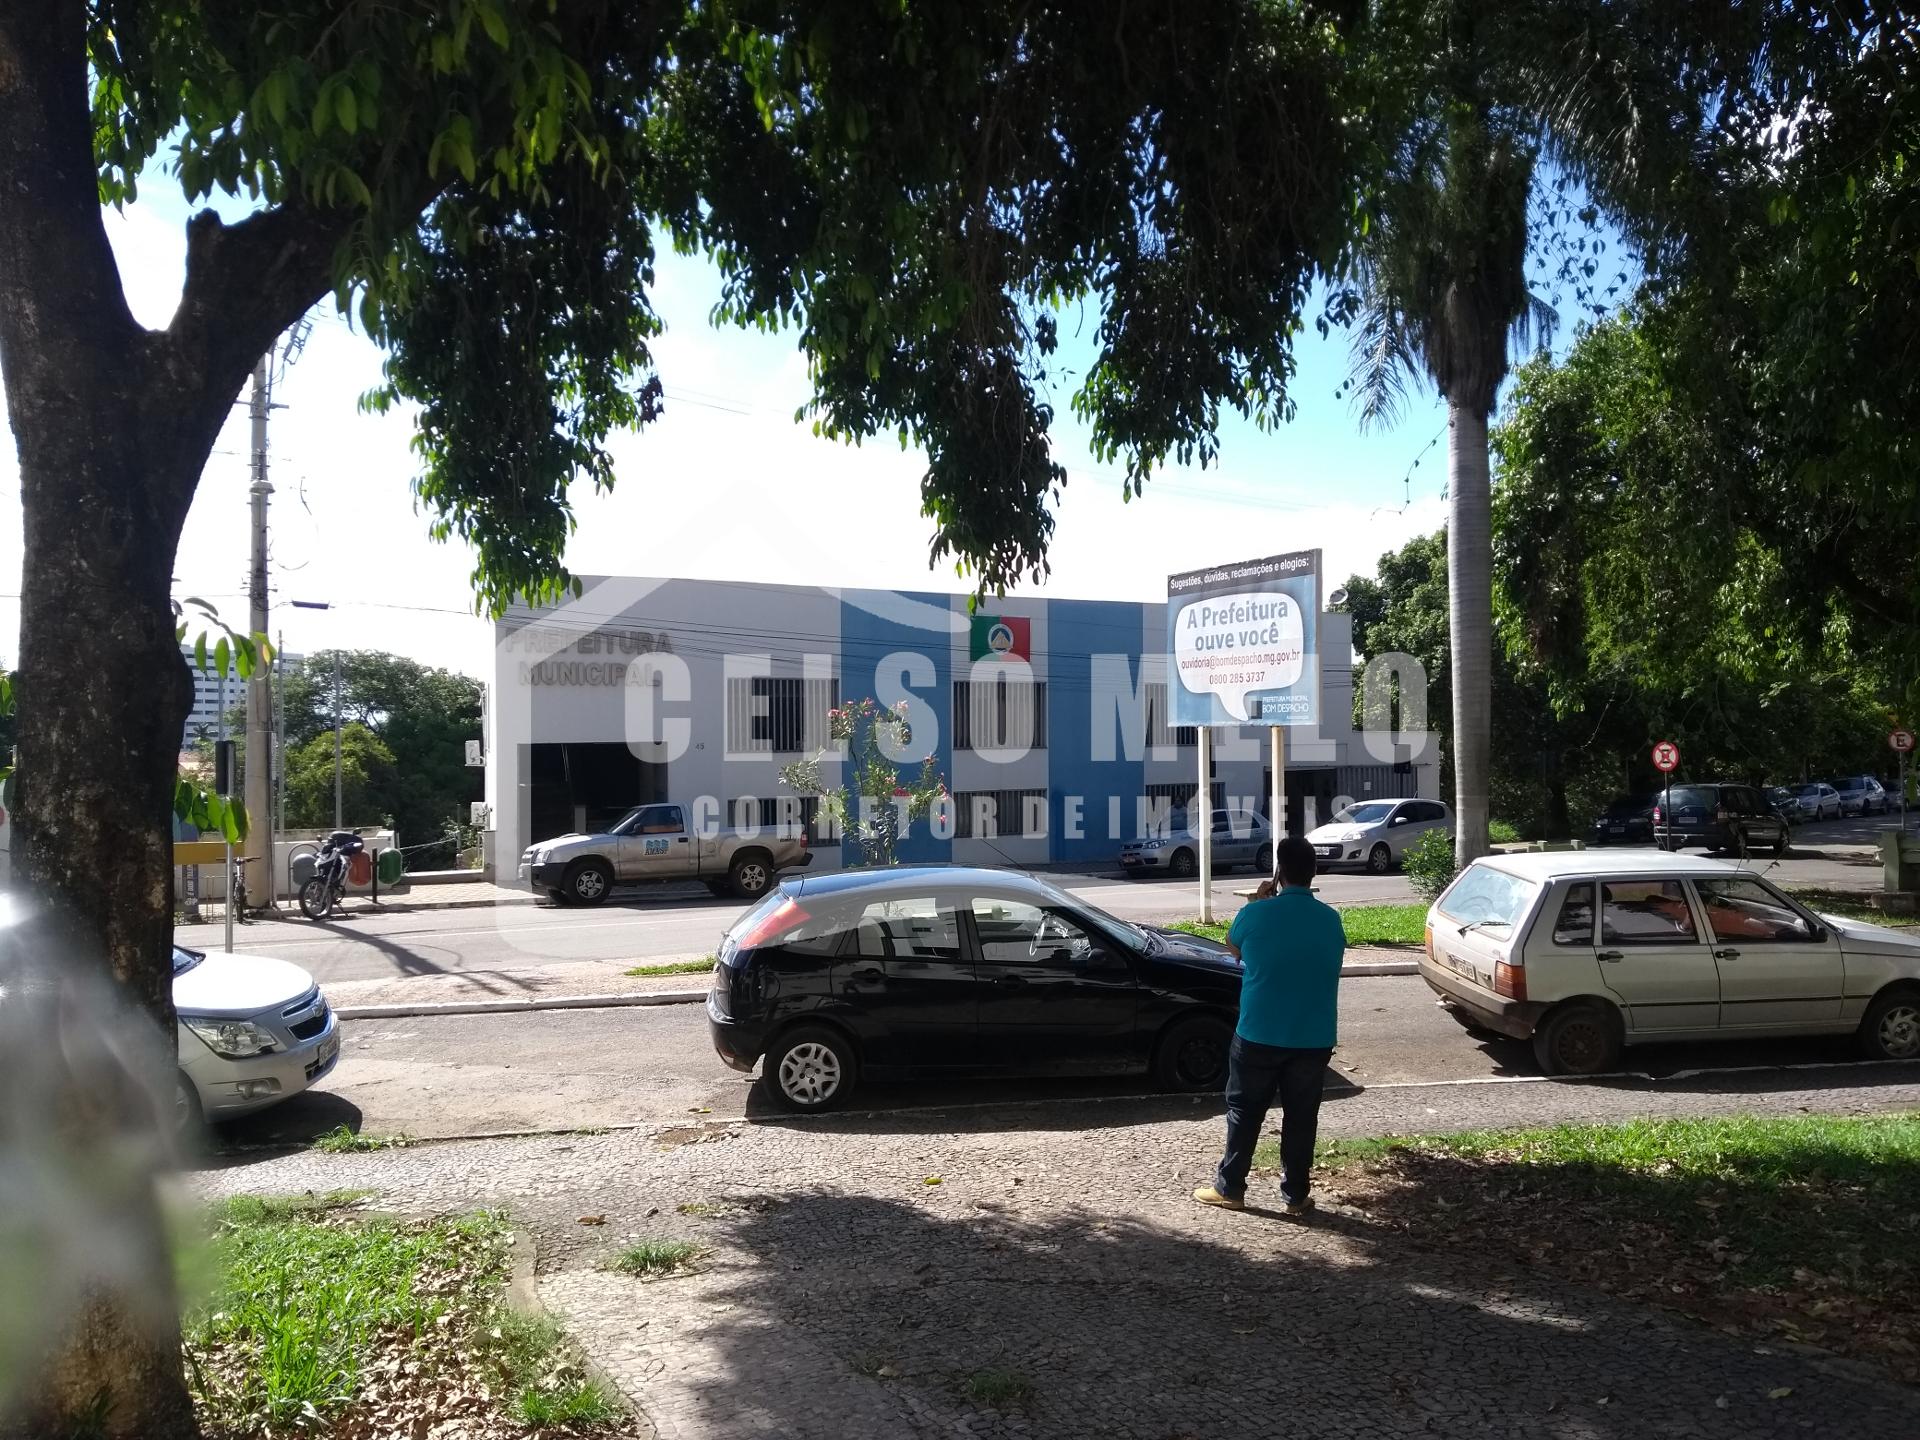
x: 1726, y: 954
x: 1608, y: 957
x: 869, y: 975
x: 1009, y: 979
x: 683, y: 839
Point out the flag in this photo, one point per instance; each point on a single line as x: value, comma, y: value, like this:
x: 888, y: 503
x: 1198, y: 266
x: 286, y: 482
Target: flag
x: 1001, y: 637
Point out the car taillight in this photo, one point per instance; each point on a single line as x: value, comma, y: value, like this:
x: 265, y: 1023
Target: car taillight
x: 1509, y: 980
x: 1656, y: 814
x: 1429, y: 941
x: 784, y: 918
x: 1721, y: 813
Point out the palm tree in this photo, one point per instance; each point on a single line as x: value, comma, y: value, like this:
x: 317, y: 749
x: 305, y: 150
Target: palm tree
x: 1440, y: 291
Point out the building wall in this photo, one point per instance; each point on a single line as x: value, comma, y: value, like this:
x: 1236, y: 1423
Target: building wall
x: 597, y: 670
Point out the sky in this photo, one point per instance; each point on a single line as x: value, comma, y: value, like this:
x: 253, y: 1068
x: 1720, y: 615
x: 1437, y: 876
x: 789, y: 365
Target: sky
x: 726, y: 485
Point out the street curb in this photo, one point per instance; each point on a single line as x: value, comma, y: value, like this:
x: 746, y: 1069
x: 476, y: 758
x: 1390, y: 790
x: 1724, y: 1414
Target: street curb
x: 515, y: 1007
x: 1358, y: 971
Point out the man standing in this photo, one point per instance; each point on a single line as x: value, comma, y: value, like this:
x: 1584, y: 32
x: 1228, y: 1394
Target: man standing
x: 1291, y: 946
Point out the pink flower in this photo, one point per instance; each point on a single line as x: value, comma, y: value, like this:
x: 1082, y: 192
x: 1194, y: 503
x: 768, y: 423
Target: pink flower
x: 900, y: 792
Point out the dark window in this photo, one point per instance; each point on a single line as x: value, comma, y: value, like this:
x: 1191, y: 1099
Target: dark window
x: 1646, y: 912
x: 908, y: 928
x: 1158, y: 713
x: 1001, y: 710
x: 1007, y: 814
x: 796, y: 708
x: 1748, y: 912
x: 1179, y: 793
x: 1575, y: 925
x: 658, y: 820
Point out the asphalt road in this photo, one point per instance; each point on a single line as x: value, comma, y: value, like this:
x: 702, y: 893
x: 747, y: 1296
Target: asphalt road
x: 576, y: 1069
x: 652, y: 925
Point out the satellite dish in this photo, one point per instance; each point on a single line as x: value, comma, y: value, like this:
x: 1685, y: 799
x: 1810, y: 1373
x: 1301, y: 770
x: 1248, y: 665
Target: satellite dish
x: 1338, y: 597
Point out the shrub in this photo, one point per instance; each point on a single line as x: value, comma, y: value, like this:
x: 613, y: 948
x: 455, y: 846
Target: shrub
x: 1429, y: 865
x: 1503, y: 832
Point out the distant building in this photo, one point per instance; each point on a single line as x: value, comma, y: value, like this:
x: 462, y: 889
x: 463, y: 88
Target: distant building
x: 213, y: 694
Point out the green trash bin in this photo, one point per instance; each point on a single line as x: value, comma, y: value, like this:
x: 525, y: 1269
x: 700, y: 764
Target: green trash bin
x: 390, y: 866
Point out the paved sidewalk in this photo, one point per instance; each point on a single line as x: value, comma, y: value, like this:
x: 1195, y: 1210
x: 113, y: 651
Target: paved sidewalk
x: 841, y: 1294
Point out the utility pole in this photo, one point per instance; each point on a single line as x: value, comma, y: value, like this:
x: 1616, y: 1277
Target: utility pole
x: 339, y: 822
x: 259, y: 770
x: 279, y: 750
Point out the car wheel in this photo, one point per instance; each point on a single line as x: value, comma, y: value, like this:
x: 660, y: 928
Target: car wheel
x: 750, y: 875
x: 1193, y: 1054
x: 1891, y: 1029
x: 809, y: 1070
x: 1379, y: 859
x: 1263, y: 862
x: 1182, y: 865
x: 1578, y: 1039
x: 588, y: 882
x: 1781, y: 841
x: 185, y: 1116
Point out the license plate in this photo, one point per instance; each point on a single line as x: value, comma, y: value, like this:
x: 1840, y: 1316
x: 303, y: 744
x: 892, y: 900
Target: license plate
x: 1326, y: 850
x: 1618, y: 829
x: 1129, y: 859
x: 1462, y: 968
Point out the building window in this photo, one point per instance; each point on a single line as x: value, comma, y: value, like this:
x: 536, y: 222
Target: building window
x: 998, y: 714
x: 779, y: 714
x: 783, y: 814
x: 1000, y: 815
x: 1178, y: 794
x: 1159, y: 734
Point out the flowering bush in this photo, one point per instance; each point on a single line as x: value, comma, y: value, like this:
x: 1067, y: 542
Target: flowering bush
x: 875, y: 808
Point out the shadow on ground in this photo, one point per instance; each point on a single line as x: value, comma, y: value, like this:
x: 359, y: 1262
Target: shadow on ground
x: 853, y: 1316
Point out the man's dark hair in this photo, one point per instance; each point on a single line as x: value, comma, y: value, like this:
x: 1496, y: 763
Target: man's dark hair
x: 1296, y: 861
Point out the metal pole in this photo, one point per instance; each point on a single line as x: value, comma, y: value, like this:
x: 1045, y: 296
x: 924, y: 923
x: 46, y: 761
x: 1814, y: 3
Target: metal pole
x: 1277, y: 801
x: 279, y: 751
x: 338, y: 822
x: 1202, y: 808
x: 258, y: 786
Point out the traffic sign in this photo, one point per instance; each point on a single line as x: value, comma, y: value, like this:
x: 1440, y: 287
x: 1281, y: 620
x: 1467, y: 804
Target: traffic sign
x: 1666, y: 756
x: 1901, y: 740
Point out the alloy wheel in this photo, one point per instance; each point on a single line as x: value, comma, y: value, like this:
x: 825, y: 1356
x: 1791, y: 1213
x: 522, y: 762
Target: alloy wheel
x: 1899, y: 1032
x: 810, y: 1074
x: 589, y: 885
x: 753, y: 877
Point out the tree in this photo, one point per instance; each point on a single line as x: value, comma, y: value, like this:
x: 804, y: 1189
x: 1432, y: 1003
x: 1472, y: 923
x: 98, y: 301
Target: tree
x: 479, y: 182
x: 367, y: 769
x: 422, y: 715
x: 877, y: 804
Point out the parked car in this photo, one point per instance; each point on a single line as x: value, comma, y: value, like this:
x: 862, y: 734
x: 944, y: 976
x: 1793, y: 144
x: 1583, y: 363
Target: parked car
x: 1583, y: 953
x: 653, y: 844
x: 1784, y: 803
x: 1862, y: 795
x: 251, y: 1032
x: 1718, y: 817
x: 1240, y: 837
x: 1628, y: 820
x: 1817, y: 801
x: 835, y: 980
x: 1376, y: 833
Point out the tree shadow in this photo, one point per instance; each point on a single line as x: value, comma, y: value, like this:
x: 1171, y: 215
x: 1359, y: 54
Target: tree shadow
x: 822, y: 1314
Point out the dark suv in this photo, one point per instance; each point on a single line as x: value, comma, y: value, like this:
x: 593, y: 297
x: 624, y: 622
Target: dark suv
x: 1718, y: 817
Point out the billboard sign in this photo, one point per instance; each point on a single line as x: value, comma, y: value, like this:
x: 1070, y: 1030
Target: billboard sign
x: 1243, y: 641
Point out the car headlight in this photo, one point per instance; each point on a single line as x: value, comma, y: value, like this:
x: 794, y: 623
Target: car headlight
x: 233, y: 1039
x: 1154, y: 845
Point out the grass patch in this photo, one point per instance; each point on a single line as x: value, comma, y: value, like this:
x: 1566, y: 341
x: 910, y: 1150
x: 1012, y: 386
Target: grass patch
x: 1504, y: 832
x: 998, y: 1388
x: 322, y: 1321
x: 657, y: 1257
x: 342, y: 1141
x: 675, y: 967
x: 1365, y: 925
x: 1806, y: 1227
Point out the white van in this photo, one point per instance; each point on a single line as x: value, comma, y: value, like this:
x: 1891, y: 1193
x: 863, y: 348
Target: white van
x: 1584, y: 952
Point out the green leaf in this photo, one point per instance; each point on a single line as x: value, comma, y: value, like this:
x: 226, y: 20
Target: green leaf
x: 200, y: 652
x: 346, y: 106
x: 222, y: 653
x: 495, y: 24
x: 276, y: 87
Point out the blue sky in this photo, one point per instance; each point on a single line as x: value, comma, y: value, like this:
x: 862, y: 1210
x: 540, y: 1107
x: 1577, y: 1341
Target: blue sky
x: 726, y: 485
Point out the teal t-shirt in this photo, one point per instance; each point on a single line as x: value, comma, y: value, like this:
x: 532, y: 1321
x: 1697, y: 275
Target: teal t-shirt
x: 1291, y: 946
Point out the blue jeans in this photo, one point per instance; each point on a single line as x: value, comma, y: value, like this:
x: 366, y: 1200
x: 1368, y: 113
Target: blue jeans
x: 1256, y: 1074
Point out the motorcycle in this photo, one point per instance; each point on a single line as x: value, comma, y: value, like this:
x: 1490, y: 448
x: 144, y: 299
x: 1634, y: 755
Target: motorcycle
x: 329, y: 881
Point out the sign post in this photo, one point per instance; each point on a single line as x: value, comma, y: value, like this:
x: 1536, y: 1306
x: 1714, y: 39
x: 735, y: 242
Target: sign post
x: 1666, y: 756
x: 1243, y: 649
x: 1902, y: 743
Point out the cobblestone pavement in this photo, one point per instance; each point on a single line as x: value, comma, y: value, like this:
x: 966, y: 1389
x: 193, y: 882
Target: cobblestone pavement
x: 1057, y: 1282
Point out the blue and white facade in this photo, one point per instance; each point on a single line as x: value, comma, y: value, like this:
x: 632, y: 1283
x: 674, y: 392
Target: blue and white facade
x: 699, y: 692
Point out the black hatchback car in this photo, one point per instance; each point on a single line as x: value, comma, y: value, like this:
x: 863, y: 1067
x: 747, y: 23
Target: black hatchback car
x: 1737, y: 818
x: 1627, y: 821
x: 833, y: 980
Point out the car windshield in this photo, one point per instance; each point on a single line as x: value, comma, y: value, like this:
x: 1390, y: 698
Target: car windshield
x: 1628, y: 806
x: 1484, y: 897
x: 1853, y: 783
x: 1808, y: 791
x: 184, y: 959
x: 1371, y: 813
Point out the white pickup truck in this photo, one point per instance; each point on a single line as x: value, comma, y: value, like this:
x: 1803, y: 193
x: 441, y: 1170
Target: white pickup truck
x: 655, y: 843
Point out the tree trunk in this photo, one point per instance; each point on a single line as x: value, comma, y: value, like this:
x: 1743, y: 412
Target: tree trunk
x: 1470, y: 623
x: 113, y: 424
